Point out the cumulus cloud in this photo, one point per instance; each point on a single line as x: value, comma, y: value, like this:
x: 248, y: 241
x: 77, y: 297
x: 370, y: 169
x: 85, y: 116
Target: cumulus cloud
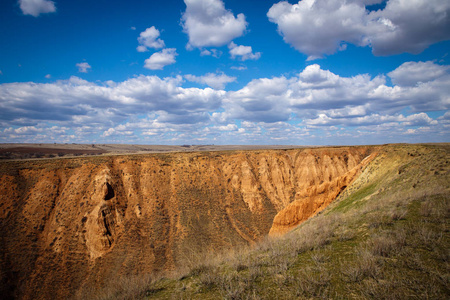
x: 209, y: 24
x: 446, y: 116
x: 120, y: 130
x: 149, y: 39
x: 322, y: 27
x: 315, y: 105
x: 229, y: 127
x: 318, y: 27
x: 37, y: 133
x: 91, y: 109
x: 320, y: 94
x: 77, y: 101
x: 409, y: 26
x: 216, y: 81
x: 211, y: 52
x: 244, y: 52
x: 316, y: 88
x: 83, y: 67
x: 261, y: 100
x: 184, y: 128
x: 161, y: 59
x: 36, y: 7
x: 24, y: 130
x: 411, y: 73
x: 420, y: 119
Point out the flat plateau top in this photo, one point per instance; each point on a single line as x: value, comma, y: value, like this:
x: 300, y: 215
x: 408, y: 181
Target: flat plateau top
x: 134, y: 148
x: 16, y: 151
x: 35, y: 151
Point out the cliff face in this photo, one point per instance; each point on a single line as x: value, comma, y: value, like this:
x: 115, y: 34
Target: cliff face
x: 78, y: 223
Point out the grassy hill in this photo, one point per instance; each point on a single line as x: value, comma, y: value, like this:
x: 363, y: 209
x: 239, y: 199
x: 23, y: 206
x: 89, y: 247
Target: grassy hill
x: 385, y: 237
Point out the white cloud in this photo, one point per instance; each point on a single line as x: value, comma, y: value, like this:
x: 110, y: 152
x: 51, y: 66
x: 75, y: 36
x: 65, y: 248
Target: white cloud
x: 216, y: 81
x: 36, y: 7
x: 83, y: 67
x: 209, y: 24
x: 149, y: 39
x: 228, y: 127
x: 261, y: 100
x: 318, y: 27
x: 244, y: 52
x: 446, y: 116
x: 238, y: 68
x: 211, y: 52
x: 48, y: 76
x: 420, y: 119
x: 315, y: 106
x: 76, y: 101
x: 409, y: 26
x: 316, y: 92
x: 205, y: 52
x: 25, y: 130
x: 321, y: 27
x: 411, y: 73
x: 191, y: 118
x: 141, y: 48
x: 120, y: 130
x: 109, y: 132
x: 161, y: 59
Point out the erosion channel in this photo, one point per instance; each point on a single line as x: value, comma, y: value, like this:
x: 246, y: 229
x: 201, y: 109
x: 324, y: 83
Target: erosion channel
x: 69, y: 224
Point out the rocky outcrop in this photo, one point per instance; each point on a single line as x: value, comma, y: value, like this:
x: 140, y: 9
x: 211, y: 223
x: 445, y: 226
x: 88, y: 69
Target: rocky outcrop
x: 314, y: 196
x: 73, y: 224
x: 101, y: 223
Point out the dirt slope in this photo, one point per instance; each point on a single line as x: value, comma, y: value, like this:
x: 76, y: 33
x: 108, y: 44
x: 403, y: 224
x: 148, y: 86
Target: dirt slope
x: 70, y: 224
x: 386, y: 236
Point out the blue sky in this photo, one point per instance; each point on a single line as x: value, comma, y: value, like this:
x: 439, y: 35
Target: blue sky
x: 310, y: 72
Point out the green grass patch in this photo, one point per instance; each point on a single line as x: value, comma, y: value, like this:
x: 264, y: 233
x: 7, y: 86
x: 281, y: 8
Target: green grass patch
x: 355, y: 199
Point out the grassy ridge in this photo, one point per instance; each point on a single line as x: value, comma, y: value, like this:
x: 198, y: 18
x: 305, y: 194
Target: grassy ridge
x: 385, y: 237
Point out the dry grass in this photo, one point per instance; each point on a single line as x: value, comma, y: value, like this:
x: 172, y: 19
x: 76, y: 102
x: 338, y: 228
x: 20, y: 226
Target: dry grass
x: 362, y: 266
x: 435, y: 210
x: 384, y: 245
x: 123, y: 288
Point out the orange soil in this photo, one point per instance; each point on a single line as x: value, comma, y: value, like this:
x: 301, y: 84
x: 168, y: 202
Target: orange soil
x: 74, y: 223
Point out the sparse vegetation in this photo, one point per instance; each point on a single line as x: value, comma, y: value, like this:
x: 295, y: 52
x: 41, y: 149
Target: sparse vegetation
x: 386, y: 237
x: 129, y: 287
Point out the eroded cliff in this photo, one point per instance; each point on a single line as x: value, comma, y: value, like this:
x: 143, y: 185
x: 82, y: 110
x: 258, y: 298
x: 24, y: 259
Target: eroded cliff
x: 69, y: 224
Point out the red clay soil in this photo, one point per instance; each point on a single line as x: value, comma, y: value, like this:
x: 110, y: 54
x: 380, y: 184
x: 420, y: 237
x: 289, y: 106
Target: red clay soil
x: 73, y: 224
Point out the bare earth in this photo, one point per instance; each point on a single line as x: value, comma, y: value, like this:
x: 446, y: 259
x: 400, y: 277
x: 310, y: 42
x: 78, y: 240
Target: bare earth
x: 73, y: 224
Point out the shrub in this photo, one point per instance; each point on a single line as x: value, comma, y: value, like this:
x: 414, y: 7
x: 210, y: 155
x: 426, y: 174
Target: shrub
x: 365, y: 264
x: 382, y: 245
